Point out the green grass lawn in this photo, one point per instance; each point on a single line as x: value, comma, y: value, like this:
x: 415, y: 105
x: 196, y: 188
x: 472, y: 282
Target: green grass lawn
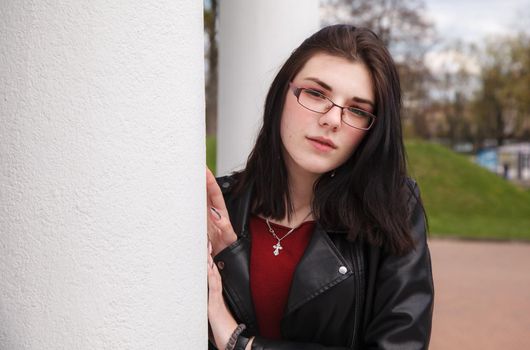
x: 465, y: 200
x: 211, y: 153
x: 461, y: 198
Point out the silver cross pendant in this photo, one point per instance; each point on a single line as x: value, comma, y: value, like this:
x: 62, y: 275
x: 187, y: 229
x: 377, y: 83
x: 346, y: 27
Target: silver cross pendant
x: 277, y: 247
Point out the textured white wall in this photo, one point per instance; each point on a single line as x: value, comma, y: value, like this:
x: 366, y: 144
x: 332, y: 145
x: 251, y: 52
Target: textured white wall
x: 102, y: 175
x: 255, y: 38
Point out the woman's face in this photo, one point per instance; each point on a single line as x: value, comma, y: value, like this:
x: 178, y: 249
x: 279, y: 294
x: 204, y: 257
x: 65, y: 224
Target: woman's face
x: 315, y: 143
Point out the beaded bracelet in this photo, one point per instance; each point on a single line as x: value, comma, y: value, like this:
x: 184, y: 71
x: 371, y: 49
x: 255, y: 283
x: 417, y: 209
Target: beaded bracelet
x: 241, y: 343
x: 235, y: 335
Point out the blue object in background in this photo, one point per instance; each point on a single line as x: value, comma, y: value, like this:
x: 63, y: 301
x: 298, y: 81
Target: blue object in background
x: 487, y: 158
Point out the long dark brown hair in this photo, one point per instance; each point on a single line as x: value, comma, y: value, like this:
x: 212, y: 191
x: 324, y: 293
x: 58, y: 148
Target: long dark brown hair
x: 367, y: 197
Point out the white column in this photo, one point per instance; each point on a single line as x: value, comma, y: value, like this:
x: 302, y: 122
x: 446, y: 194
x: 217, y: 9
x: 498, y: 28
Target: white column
x: 255, y: 38
x: 102, y: 217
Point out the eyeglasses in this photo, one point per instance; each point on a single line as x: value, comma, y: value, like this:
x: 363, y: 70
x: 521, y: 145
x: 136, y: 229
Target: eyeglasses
x: 320, y: 103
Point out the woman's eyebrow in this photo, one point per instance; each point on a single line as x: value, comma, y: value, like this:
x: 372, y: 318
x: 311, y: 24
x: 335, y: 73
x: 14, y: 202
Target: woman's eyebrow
x: 362, y: 100
x: 320, y: 82
x: 327, y: 87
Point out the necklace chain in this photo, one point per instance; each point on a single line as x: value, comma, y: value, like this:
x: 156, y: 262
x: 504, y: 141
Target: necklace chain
x: 278, y: 246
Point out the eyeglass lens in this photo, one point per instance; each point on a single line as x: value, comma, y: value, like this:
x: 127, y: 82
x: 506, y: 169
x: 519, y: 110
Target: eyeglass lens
x: 316, y: 102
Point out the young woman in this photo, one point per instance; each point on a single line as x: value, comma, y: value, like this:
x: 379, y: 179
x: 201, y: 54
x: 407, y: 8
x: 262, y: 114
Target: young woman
x: 320, y: 242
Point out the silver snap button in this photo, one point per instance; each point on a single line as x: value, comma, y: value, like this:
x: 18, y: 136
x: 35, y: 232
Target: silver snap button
x: 343, y: 270
x: 220, y: 265
x: 226, y: 184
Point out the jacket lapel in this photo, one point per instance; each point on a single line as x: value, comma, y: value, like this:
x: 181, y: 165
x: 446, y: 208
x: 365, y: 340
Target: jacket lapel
x: 321, y: 267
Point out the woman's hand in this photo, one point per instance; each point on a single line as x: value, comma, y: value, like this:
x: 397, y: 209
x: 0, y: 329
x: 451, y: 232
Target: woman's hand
x: 220, y: 235
x: 220, y: 231
x: 221, y: 320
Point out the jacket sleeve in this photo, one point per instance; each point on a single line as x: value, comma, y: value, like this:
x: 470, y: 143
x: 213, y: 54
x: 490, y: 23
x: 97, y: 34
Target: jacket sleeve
x: 234, y: 261
x: 267, y: 344
x: 401, y: 314
x: 403, y: 293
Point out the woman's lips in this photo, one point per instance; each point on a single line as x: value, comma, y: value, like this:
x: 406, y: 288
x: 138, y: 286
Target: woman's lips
x: 321, y: 145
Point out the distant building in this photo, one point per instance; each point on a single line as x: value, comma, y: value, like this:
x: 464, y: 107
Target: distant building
x: 510, y: 161
x: 514, y: 160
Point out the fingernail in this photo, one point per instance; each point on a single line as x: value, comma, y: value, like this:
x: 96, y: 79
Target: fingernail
x: 217, y: 214
x: 209, y: 247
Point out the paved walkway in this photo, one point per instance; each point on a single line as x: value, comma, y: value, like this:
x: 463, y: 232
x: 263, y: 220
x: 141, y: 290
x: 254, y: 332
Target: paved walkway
x: 482, y: 295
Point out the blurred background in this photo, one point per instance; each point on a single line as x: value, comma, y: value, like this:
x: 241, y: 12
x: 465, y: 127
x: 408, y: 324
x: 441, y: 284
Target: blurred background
x: 465, y: 74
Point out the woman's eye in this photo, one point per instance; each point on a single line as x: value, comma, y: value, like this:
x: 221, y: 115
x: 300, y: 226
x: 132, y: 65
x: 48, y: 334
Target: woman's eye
x: 358, y: 112
x: 314, y: 93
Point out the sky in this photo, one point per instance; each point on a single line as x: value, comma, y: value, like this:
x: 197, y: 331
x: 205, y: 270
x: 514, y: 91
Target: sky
x: 472, y: 20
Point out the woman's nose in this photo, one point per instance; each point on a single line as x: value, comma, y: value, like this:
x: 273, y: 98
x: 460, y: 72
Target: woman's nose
x: 332, y: 118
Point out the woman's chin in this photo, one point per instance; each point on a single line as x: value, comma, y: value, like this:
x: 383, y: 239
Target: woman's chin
x: 317, y: 169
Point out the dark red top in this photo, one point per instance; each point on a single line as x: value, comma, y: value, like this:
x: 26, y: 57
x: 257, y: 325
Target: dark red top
x: 271, y: 275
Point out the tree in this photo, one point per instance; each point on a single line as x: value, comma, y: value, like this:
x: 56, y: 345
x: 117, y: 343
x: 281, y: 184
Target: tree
x: 210, y: 29
x: 400, y: 24
x: 407, y: 33
x: 502, y: 105
x: 456, y: 69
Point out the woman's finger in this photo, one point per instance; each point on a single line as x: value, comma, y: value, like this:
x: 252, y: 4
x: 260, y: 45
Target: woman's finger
x: 215, y: 213
x: 215, y: 196
x: 220, y: 232
x: 223, y: 224
x: 215, y: 287
x: 211, y: 227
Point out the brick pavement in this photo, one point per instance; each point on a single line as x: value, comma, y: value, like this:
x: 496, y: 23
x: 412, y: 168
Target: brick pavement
x: 482, y: 295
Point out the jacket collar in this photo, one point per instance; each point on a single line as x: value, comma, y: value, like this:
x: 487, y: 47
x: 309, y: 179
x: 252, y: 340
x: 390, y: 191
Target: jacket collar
x: 321, y: 266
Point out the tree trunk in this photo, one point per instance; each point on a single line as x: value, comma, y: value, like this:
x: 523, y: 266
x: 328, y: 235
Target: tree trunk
x: 211, y: 79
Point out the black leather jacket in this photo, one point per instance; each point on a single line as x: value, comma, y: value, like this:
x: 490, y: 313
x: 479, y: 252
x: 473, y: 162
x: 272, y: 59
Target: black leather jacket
x: 343, y: 295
